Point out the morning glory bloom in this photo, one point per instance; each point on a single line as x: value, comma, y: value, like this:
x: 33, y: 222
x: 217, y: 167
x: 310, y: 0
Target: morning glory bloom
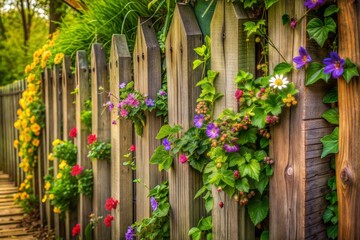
x: 166, y: 144
x: 149, y: 102
x: 310, y: 4
x: 153, y: 203
x: 122, y: 85
x: 198, y: 120
x: 334, y: 65
x: 302, y: 59
x: 130, y: 233
x: 212, y: 131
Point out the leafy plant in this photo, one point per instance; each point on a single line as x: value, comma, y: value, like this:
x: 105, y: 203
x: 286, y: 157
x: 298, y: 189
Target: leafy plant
x: 99, y: 150
x: 202, y: 230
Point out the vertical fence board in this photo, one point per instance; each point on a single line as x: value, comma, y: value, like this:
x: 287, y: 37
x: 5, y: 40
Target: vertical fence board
x: 49, y: 114
x: 121, y: 139
x: 147, y: 77
x: 287, y: 185
x: 231, y: 52
x: 347, y: 161
x: 2, y: 146
x: 83, y: 94
x: 184, y: 35
x: 100, y: 127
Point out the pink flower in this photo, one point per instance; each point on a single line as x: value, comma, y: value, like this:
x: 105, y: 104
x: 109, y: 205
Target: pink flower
x: 123, y: 112
x: 72, y: 133
x: 132, y: 148
x: 183, y: 158
x: 111, y: 203
x: 76, y: 170
x: 91, y: 139
x: 76, y: 230
x: 108, y: 219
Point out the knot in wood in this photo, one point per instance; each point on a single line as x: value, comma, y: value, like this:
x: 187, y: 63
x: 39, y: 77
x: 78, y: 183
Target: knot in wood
x: 346, y: 176
x: 289, y: 171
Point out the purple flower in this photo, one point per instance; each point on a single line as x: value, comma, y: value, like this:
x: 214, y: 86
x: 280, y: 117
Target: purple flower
x: 302, y: 59
x: 198, y: 120
x: 212, y: 131
x: 113, y: 122
x: 131, y: 100
x: 334, y: 65
x: 166, y: 144
x: 122, y: 85
x: 110, y: 105
x: 310, y: 4
x: 162, y: 93
x: 231, y: 148
x: 130, y: 233
x: 293, y: 23
x: 149, y: 102
x: 153, y: 203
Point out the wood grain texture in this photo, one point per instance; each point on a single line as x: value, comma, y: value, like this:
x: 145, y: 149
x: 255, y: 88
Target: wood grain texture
x: 184, y: 35
x: 347, y: 161
x: 230, y: 53
x: 100, y: 127
x: 147, y: 78
x: 287, y: 185
x: 68, y: 122
x: 121, y: 140
x: 83, y: 94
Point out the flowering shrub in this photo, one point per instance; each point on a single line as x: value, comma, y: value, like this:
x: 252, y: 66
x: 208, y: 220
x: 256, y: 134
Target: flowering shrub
x: 98, y: 150
x: 25, y: 197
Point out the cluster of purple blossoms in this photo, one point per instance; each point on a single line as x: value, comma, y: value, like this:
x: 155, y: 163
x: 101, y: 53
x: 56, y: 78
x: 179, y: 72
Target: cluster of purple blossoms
x: 153, y: 203
x: 162, y: 93
x: 110, y: 105
x: 271, y: 119
x: 122, y: 85
x: 231, y: 148
x: 166, y: 143
x: 149, y: 102
x: 130, y: 233
x: 212, y: 131
x: 199, y: 120
x: 311, y: 4
x: 129, y: 101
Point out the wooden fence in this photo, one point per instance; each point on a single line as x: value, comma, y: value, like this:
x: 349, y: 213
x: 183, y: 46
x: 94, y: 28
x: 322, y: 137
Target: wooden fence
x: 297, y: 188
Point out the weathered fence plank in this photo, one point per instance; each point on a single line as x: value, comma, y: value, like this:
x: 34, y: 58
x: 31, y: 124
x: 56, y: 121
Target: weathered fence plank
x: 83, y: 94
x: 184, y: 35
x: 147, y: 77
x: 100, y: 127
x: 231, y: 52
x: 347, y: 161
x: 287, y: 185
x: 121, y: 139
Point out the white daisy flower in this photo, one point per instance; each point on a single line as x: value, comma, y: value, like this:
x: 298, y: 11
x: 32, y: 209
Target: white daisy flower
x: 279, y: 82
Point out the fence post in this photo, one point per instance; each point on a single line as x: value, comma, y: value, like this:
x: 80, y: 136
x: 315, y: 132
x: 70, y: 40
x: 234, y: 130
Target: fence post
x: 83, y: 94
x: 121, y: 139
x: 184, y: 35
x: 147, y: 78
x: 100, y: 127
x: 68, y: 120
x: 230, y: 52
x: 347, y: 161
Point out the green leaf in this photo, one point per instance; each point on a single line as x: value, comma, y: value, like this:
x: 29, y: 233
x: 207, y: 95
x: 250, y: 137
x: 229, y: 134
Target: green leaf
x: 242, y: 185
x: 269, y: 3
x: 285, y: 19
x: 332, y: 231
x: 330, y: 10
x: 248, y: 136
x: 251, y: 169
x: 350, y: 70
x: 258, y: 209
x: 205, y: 224
x: 163, y: 132
x: 197, y: 63
x: 163, y: 210
x: 228, y: 178
x: 258, y: 120
x: 331, y: 96
x: 314, y: 73
x: 201, y: 191
x: 330, y: 143
x: 162, y: 158
x: 262, y: 183
x: 328, y: 214
x: 209, y: 236
x: 283, y: 68
x: 249, y: 3
x: 332, y: 183
x: 265, y: 235
x: 209, y: 203
x: 200, y: 50
x: 252, y: 27
x: 319, y: 30
x: 331, y: 115
x: 243, y: 76
x: 88, y: 232
x: 264, y: 142
x: 195, y: 233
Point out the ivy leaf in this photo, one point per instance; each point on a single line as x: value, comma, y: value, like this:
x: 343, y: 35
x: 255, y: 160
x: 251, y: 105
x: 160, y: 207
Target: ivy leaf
x: 331, y: 96
x: 332, y: 116
x: 242, y: 185
x: 269, y: 3
x: 262, y: 183
x: 283, y: 68
x: 258, y: 120
x: 330, y: 10
x: 197, y: 63
x: 228, y: 178
x: 249, y: 3
x: 205, y: 224
x: 332, y: 183
x: 243, y: 76
x: 163, y: 132
x: 195, y: 233
x: 201, y: 191
x: 264, y: 142
x: 332, y: 231
x: 163, y: 210
x: 258, y: 209
x: 209, y: 203
x: 350, y: 70
x: 200, y: 50
x: 251, y: 169
x: 330, y: 143
x: 314, y: 73
x: 328, y: 214
x: 319, y: 30
x: 252, y: 27
x: 265, y: 235
x: 162, y: 158
x: 248, y: 136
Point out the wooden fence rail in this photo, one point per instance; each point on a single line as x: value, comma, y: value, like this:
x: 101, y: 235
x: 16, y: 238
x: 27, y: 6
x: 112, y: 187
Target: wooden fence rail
x: 231, y: 51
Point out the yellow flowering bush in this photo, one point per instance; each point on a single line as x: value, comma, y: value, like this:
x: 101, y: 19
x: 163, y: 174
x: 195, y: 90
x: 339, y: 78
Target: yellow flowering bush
x: 25, y: 197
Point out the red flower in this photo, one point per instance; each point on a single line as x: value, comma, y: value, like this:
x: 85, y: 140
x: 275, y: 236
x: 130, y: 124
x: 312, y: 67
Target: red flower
x: 183, y: 158
x: 76, y: 230
x: 72, y: 133
x: 91, y: 138
x: 132, y: 148
x: 76, y: 170
x: 108, y: 219
x: 111, y: 203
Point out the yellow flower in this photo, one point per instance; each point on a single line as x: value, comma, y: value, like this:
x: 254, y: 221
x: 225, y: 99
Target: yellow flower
x: 59, y: 175
x: 24, y: 196
x: 44, y: 198
x: 16, y: 143
x: 28, y: 69
x: 32, y: 119
x: 19, y: 112
x: 35, y: 127
x: 16, y: 196
x: 51, y: 196
x: 56, y: 142
x: 27, y: 186
x: 28, y: 112
x: 51, y: 157
x: 37, y: 53
x: 29, y: 177
x: 36, y: 142
x: 27, y: 138
x: 30, y: 150
x: 47, y: 186
x: 57, y: 210
x: 62, y: 164
x: 58, y: 58
x: 31, y: 77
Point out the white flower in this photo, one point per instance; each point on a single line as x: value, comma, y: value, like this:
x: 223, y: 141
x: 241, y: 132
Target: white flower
x: 279, y: 82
